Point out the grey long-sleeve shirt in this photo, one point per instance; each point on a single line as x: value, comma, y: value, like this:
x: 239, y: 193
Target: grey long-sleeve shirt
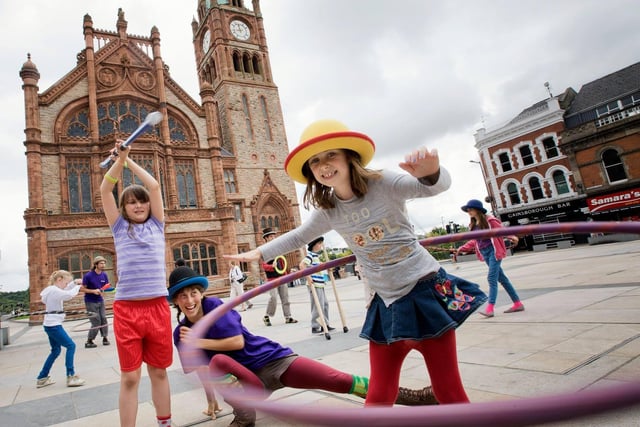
x: 377, y: 229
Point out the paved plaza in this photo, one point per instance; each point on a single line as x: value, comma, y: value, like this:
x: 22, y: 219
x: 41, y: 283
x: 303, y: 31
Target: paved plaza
x: 580, y: 330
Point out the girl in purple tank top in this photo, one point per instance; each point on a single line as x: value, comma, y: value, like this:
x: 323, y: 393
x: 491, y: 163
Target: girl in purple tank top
x: 141, y: 314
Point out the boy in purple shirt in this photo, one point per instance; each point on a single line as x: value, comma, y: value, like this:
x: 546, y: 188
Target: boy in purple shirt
x: 93, y: 284
x: 237, y: 357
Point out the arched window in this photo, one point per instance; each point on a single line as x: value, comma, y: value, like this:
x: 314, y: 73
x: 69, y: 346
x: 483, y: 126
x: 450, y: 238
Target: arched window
x: 514, y: 195
x: 246, y: 63
x: 270, y: 221
x: 79, y: 125
x: 560, y: 181
x: 199, y: 256
x: 613, y: 166
x: 186, y: 184
x: 536, y: 188
x: 247, y: 116
x: 79, y: 185
x: 176, y: 131
x: 237, y: 64
x: 256, y: 65
x: 265, y: 118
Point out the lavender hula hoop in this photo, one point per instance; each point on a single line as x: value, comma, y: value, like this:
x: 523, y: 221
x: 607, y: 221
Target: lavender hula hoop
x: 520, y: 412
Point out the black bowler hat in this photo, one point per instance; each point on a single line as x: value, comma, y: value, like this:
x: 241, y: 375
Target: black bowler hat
x: 267, y: 232
x: 182, y: 277
x: 313, y: 243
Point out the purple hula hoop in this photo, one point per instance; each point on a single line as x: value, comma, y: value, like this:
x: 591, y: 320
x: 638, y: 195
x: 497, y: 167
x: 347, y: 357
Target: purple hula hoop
x: 520, y: 412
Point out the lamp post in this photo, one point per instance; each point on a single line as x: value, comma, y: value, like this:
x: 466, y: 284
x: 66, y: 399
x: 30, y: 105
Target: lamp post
x: 489, y: 197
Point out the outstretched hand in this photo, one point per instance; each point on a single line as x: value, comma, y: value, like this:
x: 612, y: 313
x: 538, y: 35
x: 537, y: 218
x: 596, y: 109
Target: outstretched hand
x: 252, y: 255
x: 421, y: 162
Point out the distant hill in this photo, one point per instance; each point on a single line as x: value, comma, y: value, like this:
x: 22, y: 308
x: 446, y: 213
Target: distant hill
x: 18, y: 300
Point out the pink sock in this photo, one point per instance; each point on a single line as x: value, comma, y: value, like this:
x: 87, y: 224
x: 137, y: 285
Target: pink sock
x: 517, y: 304
x: 489, y: 308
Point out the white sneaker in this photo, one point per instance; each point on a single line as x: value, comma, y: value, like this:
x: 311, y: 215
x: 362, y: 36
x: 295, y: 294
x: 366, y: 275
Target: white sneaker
x: 74, y: 381
x: 43, y: 382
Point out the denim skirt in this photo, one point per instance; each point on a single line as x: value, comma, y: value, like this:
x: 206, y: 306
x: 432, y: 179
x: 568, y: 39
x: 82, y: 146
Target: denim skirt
x: 437, y: 303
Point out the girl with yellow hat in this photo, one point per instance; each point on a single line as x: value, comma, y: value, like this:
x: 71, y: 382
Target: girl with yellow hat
x: 416, y: 305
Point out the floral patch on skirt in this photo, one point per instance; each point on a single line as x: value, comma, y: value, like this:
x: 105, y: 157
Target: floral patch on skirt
x: 436, y: 304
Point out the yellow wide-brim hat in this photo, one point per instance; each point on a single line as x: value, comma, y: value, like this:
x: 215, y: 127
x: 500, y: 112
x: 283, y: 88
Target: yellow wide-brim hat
x: 326, y: 135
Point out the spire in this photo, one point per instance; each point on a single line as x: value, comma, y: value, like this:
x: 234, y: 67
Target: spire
x: 29, y: 70
x: 121, y: 24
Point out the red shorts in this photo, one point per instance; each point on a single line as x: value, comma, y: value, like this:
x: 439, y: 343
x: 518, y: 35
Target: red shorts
x: 143, y: 333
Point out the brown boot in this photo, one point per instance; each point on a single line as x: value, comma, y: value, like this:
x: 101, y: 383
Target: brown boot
x: 409, y: 397
x: 243, y: 418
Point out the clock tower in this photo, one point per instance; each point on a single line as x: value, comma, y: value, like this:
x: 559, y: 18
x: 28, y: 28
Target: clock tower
x: 240, y: 98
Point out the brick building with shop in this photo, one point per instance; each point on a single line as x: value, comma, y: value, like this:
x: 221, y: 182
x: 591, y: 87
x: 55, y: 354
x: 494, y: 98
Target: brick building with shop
x: 602, y: 142
x: 572, y: 157
x: 529, y: 179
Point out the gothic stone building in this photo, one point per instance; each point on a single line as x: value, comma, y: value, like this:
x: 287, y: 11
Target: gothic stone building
x: 219, y: 160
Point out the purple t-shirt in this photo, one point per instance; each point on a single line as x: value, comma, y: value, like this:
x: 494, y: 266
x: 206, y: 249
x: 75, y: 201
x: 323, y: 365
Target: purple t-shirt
x: 257, y: 351
x: 483, y: 243
x: 141, y: 263
x: 93, y: 280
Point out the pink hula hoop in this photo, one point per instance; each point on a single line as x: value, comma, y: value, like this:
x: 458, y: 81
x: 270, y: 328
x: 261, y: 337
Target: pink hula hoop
x: 520, y: 412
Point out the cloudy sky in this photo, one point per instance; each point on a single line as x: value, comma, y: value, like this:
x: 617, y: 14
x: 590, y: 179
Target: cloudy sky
x: 408, y: 73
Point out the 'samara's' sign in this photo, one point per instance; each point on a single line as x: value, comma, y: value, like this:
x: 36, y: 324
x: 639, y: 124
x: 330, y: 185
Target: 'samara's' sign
x: 614, y: 200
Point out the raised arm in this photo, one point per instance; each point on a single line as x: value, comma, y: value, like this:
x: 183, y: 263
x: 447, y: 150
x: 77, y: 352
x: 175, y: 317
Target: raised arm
x: 111, y: 178
x: 109, y: 181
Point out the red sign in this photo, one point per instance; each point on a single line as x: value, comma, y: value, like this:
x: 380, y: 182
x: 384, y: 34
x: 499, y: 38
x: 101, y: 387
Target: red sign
x: 614, y: 200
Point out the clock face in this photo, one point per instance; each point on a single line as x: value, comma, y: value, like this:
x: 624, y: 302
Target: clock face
x: 240, y: 30
x: 206, y: 41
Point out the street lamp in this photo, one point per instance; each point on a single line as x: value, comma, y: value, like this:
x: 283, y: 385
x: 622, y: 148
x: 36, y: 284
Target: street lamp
x: 489, y: 197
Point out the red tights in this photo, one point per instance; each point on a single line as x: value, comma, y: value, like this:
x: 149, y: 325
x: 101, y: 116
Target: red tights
x: 303, y: 373
x: 440, y: 356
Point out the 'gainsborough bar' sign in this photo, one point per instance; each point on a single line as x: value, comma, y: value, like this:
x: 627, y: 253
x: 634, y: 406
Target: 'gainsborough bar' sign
x: 614, y: 200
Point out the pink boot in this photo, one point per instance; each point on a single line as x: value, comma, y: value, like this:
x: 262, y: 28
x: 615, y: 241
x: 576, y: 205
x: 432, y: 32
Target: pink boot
x: 488, y: 311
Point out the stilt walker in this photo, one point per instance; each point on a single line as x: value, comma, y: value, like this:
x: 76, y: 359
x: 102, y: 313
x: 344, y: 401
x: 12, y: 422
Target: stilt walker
x: 321, y: 318
x: 312, y: 258
x: 345, y: 329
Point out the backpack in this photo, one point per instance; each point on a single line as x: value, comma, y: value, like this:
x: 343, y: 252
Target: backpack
x: 233, y: 275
